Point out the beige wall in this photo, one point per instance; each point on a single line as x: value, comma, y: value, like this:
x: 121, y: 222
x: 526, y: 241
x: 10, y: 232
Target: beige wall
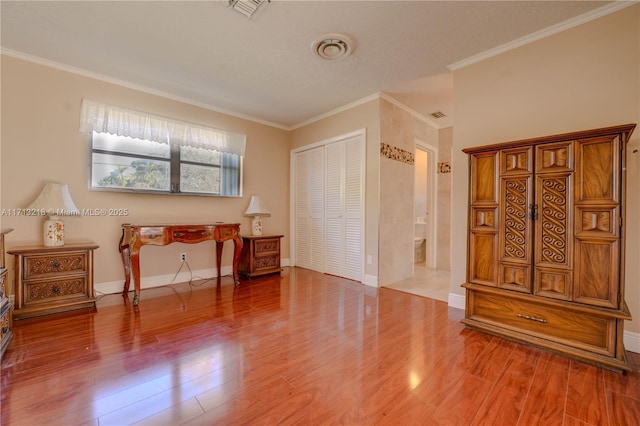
x: 41, y: 142
x: 443, y: 256
x: 364, y: 116
x: 585, y: 77
x: 401, y: 130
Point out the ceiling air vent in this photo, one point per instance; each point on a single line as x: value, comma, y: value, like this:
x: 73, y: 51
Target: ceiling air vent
x: 437, y: 114
x: 247, y: 7
x: 332, y: 46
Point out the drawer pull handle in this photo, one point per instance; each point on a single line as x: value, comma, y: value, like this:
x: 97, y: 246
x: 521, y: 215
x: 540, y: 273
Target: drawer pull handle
x: 531, y: 318
x: 56, y: 265
x: 56, y: 290
x: 202, y: 234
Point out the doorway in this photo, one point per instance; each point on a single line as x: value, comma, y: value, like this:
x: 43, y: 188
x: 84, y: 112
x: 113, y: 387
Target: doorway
x: 425, y: 205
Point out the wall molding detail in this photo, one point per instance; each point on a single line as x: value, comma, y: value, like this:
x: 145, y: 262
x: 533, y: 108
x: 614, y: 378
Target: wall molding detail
x: 444, y: 167
x: 397, y: 154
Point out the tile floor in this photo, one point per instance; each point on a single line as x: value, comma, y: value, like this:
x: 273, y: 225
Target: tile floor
x: 431, y: 283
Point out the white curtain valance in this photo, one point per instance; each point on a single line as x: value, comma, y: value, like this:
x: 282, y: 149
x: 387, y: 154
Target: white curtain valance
x: 98, y: 117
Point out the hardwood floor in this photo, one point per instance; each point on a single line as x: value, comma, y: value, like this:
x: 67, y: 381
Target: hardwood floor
x: 301, y: 349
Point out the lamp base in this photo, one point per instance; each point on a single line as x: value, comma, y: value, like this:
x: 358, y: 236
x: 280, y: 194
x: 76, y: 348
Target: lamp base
x: 53, y: 232
x: 256, y: 225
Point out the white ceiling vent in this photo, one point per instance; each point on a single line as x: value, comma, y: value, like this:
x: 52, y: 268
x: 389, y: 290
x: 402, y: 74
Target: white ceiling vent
x: 332, y: 46
x: 247, y: 7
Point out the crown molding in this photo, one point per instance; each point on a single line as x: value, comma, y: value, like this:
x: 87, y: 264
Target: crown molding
x: 335, y: 111
x: 373, y: 97
x: 407, y: 109
x: 101, y: 77
x: 538, y: 35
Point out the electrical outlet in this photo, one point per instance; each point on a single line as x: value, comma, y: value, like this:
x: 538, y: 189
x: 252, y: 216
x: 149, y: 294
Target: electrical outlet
x: 183, y: 257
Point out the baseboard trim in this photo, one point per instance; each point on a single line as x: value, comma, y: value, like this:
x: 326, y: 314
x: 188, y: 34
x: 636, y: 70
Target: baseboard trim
x: 370, y: 280
x: 457, y: 300
x: 632, y: 341
x: 113, y: 287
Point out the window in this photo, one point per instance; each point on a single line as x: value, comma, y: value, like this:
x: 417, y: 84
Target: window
x: 132, y: 151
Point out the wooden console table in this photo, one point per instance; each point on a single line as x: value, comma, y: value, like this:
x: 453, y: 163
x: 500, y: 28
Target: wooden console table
x: 136, y: 236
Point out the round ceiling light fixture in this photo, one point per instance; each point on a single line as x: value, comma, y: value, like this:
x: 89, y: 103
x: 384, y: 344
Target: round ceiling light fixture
x: 332, y: 46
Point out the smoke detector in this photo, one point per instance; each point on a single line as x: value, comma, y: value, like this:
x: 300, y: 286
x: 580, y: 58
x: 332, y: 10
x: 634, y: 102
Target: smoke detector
x: 332, y: 46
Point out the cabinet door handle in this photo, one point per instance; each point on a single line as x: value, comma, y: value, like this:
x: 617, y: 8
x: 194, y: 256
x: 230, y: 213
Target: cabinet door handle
x: 533, y: 211
x: 531, y: 318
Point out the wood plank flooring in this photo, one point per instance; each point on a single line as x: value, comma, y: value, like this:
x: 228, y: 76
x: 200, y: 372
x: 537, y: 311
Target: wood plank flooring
x: 298, y: 349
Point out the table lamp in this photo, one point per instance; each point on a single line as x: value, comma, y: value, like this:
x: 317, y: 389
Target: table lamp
x: 257, y: 210
x: 54, y: 201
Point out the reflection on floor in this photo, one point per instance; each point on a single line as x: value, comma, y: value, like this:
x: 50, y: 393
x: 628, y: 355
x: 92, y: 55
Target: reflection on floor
x: 431, y: 283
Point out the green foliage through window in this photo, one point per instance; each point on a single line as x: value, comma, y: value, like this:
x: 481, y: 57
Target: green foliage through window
x: 122, y: 163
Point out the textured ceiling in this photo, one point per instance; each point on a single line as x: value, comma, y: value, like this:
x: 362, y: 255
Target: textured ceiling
x: 262, y: 68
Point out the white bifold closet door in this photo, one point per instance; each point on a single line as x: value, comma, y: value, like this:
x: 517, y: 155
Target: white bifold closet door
x: 329, y: 208
x: 309, y: 207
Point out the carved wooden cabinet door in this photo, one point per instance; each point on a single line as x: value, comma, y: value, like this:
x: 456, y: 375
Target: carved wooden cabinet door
x: 516, y: 210
x: 598, y: 193
x: 553, y: 271
x: 483, y: 232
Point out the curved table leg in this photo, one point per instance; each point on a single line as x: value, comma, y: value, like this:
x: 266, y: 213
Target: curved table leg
x: 126, y: 262
x: 237, y: 242
x: 219, y: 245
x: 135, y: 265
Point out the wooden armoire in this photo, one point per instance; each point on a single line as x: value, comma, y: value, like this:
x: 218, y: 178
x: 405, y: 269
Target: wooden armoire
x: 545, y: 261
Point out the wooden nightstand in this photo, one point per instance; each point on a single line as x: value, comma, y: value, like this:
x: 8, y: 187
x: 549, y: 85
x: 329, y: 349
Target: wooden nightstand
x: 260, y: 255
x: 53, y: 279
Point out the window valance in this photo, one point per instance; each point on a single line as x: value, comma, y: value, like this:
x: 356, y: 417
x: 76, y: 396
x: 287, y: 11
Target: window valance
x: 99, y: 117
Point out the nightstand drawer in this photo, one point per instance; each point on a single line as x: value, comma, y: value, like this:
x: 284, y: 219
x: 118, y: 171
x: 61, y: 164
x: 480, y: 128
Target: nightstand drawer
x: 47, y: 265
x: 266, y: 262
x: 50, y: 291
x: 267, y: 246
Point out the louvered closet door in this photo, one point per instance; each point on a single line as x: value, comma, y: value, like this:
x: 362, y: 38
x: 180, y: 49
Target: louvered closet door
x: 354, y: 209
x: 309, y: 209
x: 344, y: 208
x: 334, y: 260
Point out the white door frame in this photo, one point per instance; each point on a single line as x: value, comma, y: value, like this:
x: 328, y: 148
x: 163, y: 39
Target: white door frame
x: 432, y: 201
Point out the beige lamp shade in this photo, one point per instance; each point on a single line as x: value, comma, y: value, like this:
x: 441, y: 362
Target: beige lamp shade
x: 257, y: 210
x: 54, y: 201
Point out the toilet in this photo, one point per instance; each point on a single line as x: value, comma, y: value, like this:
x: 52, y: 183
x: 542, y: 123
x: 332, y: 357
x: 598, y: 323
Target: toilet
x: 419, y: 241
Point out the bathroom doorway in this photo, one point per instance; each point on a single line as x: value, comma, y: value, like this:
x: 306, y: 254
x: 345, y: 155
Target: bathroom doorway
x: 425, y: 205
